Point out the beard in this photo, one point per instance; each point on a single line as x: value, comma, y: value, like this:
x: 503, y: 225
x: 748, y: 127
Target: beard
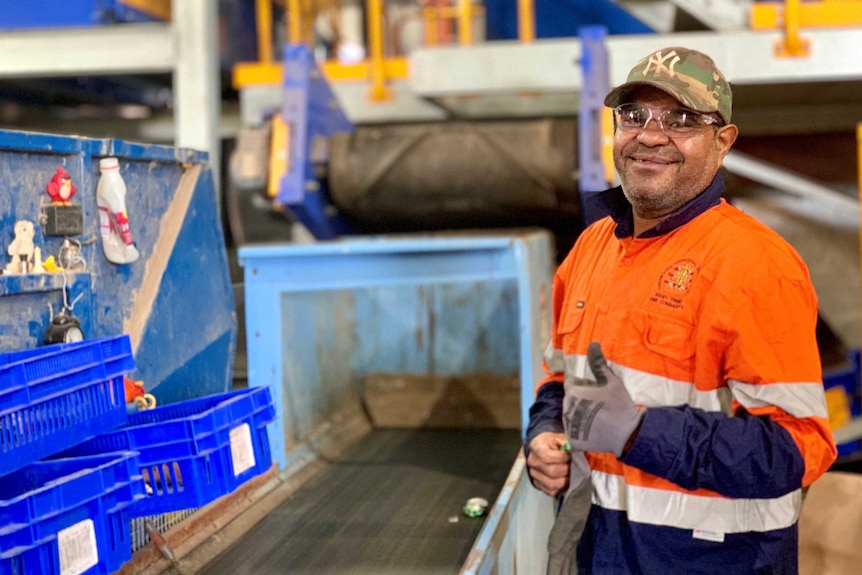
x: 659, y: 191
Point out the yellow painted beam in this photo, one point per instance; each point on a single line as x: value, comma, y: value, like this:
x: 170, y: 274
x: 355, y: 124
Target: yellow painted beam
x: 257, y: 73
x: 828, y: 13
x: 160, y: 9
x: 606, y: 126
x: 279, y: 154
x: 793, y: 45
x: 393, y: 69
x: 465, y: 25
x: 294, y: 22
x: 263, y: 23
x: 526, y: 21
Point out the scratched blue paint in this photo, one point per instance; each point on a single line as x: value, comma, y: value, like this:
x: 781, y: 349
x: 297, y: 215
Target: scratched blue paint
x: 189, y: 313
x: 446, y: 330
x: 188, y: 341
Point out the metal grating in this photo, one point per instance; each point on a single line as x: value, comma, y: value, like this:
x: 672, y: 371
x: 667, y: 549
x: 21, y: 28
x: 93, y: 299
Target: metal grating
x: 162, y: 523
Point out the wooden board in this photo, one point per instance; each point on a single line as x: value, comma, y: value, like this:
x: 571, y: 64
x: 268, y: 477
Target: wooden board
x: 468, y: 402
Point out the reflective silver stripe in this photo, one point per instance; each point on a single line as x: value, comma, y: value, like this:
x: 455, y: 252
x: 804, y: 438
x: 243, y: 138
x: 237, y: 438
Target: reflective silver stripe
x: 645, y: 388
x: 652, y: 390
x: 554, y: 358
x: 797, y: 399
x: 687, y: 511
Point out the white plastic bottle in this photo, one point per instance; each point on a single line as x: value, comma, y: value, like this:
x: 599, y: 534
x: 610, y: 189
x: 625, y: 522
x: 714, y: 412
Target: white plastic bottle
x: 113, y: 218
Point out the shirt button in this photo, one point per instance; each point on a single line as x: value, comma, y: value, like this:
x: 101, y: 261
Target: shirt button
x: 627, y: 261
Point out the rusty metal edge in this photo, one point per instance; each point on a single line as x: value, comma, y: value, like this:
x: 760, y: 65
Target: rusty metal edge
x: 211, y: 530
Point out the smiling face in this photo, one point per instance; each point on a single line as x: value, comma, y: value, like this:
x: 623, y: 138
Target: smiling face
x: 658, y: 173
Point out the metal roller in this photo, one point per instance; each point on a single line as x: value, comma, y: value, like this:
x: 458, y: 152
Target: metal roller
x: 457, y: 174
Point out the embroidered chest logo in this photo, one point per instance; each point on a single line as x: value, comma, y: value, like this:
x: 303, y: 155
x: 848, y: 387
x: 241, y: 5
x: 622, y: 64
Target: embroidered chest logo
x: 675, y: 281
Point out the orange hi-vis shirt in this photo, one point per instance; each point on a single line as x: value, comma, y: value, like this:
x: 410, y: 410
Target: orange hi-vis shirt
x: 712, y: 328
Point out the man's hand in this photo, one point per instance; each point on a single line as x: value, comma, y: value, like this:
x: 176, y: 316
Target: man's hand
x: 599, y: 415
x: 548, y: 463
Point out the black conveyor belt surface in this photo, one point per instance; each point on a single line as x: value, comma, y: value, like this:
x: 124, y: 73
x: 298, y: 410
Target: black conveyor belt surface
x: 383, y: 508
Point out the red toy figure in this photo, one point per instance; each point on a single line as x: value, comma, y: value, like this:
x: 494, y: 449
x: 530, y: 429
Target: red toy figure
x: 60, y: 188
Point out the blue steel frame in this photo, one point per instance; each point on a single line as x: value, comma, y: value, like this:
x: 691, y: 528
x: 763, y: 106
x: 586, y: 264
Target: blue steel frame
x: 178, y: 293
x: 312, y: 114
x: 277, y: 275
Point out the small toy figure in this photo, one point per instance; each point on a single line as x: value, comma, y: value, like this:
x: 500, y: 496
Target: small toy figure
x: 60, y: 188
x: 136, y: 398
x: 22, y: 249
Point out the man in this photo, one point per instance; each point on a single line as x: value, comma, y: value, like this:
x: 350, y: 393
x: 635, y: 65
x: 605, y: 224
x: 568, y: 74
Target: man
x: 683, y: 371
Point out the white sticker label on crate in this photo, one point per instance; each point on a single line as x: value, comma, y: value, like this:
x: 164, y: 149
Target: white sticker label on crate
x: 78, y: 550
x: 241, y: 449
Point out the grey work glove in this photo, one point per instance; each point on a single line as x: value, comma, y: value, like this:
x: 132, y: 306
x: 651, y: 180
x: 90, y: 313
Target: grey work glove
x: 599, y: 415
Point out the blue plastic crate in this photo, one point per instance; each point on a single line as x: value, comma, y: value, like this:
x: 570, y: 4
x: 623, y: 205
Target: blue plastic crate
x: 179, y: 474
x: 54, y: 397
x: 196, y: 425
x: 69, y: 516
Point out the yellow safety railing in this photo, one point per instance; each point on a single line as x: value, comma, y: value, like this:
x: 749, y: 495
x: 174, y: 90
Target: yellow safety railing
x: 791, y: 15
x: 377, y: 68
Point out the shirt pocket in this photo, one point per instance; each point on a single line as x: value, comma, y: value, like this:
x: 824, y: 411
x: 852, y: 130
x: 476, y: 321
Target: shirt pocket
x: 572, y: 317
x: 670, y: 340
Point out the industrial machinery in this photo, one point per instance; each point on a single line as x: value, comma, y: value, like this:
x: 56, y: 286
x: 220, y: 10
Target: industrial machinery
x: 402, y: 336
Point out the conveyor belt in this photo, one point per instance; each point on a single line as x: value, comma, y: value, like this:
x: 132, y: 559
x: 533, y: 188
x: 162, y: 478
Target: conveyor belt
x: 387, y: 507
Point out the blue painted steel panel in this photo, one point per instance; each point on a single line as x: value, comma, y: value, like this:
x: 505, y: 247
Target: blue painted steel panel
x: 561, y: 18
x: 320, y: 317
x: 176, y: 301
x: 21, y: 14
x: 196, y: 316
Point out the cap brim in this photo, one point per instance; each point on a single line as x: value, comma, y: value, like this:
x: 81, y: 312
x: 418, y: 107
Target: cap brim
x: 622, y: 94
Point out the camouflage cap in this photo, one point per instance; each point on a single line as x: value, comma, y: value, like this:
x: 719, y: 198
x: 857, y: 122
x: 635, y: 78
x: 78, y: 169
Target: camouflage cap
x: 688, y: 75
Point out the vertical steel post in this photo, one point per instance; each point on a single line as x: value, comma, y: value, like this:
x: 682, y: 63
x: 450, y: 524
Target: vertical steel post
x: 294, y: 22
x: 859, y: 170
x: 465, y: 32
x: 379, y: 90
x: 595, y: 84
x: 792, y: 44
x: 263, y: 23
x: 526, y: 21
x: 196, y: 79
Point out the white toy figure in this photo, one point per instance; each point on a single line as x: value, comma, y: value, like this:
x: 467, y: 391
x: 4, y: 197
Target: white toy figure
x: 21, y: 249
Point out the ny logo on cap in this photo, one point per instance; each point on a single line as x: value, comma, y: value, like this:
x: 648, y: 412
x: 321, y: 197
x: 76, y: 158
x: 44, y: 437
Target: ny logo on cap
x: 659, y: 60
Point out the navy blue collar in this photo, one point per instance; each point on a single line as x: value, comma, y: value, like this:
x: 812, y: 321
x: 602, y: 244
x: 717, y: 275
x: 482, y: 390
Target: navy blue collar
x: 615, y: 204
